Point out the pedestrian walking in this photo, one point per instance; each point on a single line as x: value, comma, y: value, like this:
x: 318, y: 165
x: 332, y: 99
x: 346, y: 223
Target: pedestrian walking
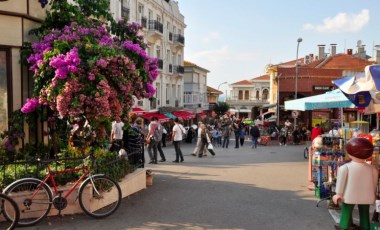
x: 198, y: 145
x: 152, y: 140
x: 242, y: 134
x: 160, y: 129
x: 117, y: 134
x: 283, y: 135
x: 255, y: 134
x: 164, y: 134
x: 205, y: 141
x: 226, y: 133
x: 177, y: 136
x: 236, y: 128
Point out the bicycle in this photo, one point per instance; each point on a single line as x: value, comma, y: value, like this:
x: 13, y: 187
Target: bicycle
x: 35, y: 198
x: 9, y: 205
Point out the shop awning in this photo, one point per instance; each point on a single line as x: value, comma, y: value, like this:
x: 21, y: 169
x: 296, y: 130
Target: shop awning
x: 161, y: 117
x: 202, y: 115
x: 170, y: 115
x: 270, y: 105
x: 138, y: 111
x: 263, y: 114
x: 184, y: 115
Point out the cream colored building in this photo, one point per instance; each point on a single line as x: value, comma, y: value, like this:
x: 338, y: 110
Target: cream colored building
x: 246, y: 98
x: 16, y: 20
x: 163, y: 30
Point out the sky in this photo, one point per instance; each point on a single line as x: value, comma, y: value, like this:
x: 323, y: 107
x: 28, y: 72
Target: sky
x: 236, y: 40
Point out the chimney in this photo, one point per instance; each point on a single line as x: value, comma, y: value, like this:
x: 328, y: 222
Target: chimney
x: 333, y: 49
x: 321, y: 51
x: 349, y: 52
x: 311, y: 57
x: 376, y: 53
x: 361, y: 52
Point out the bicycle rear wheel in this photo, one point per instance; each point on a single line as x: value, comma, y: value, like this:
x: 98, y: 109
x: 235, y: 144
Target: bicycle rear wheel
x: 306, y: 153
x: 99, y: 197
x: 34, y: 199
x: 9, y: 205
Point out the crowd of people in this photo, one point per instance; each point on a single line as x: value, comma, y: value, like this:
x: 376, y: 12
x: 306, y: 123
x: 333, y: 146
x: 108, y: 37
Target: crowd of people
x: 206, y: 136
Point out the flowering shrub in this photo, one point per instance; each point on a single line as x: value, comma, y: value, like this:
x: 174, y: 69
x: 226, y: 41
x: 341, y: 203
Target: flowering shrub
x: 83, y: 70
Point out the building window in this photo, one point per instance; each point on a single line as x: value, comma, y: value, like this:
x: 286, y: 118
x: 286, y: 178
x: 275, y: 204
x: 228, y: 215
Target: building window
x: 246, y: 95
x: 240, y: 97
x: 4, y: 91
x: 265, y: 94
x: 257, y: 95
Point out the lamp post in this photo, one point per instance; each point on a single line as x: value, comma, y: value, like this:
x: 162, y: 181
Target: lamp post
x: 226, y: 90
x: 299, y: 40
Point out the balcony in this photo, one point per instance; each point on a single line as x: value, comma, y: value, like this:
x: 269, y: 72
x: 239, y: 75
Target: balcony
x: 179, y: 39
x: 125, y: 12
x: 155, y: 30
x: 144, y: 22
x: 160, y: 64
x: 178, y: 69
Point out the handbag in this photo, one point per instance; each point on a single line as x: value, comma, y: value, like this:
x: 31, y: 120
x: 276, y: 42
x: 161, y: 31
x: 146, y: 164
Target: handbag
x: 210, y: 146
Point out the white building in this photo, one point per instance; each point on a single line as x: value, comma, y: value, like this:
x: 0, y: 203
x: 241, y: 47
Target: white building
x: 247, y: 98
x: 195, y: 87
x: 163, y: 30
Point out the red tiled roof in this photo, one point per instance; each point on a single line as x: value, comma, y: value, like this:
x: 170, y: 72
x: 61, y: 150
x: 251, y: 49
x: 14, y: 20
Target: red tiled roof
x: 263, y: 78
x: 344, y: 62
x: 212, y: 90
x: 309, y: 72
x: 243, y: 82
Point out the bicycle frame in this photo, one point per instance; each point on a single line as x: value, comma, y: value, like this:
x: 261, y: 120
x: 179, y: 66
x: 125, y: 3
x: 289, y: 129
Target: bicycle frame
x: 50, y: 176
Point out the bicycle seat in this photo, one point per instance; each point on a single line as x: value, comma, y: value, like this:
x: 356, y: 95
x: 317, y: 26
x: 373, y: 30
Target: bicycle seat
x: 45, y: 161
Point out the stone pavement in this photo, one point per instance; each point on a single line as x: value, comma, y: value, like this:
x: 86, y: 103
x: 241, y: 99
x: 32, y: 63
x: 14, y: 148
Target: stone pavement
x: 263, y: 188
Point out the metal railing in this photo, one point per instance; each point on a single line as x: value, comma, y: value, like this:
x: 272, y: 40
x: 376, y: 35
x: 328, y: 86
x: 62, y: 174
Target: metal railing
x: 179, y: 69
x: 179, y: 38
x: 113, y: 166
x: 156, y: 26
x: 144, y: 21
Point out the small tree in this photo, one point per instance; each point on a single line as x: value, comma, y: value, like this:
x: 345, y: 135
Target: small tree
x: 221, y: 108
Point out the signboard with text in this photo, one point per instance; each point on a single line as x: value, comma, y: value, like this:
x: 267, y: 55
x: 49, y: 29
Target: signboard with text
x: 322, y: 87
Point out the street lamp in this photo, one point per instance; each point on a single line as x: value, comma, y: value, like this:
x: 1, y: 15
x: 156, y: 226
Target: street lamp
x: 222, y: 84
x: 226, y: 90
x: 299, y: 40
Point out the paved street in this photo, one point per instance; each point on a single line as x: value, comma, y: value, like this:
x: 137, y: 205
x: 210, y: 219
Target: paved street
x: 265, y: 188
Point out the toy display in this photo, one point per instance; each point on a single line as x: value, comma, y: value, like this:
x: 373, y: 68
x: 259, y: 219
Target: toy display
x: 356, y: 183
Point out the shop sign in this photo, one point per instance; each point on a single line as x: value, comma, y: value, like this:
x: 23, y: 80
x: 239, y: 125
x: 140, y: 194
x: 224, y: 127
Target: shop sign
x: 322, y: 87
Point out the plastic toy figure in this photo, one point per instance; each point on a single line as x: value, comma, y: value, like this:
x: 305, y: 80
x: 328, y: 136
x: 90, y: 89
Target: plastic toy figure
x: 356, y: 183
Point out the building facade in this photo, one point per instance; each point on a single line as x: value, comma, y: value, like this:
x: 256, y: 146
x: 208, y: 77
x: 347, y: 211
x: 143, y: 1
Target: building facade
x: 163, y: 31
x: 246, y: 98
x: 314, y: 77
x: 195, y: 87
x: 16, y: 20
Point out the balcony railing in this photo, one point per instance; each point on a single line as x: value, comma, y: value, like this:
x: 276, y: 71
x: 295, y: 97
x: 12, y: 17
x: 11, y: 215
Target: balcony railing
x: 179, y: 38
x: 160, y: 63
x: 179, y: 69
x: 156, y: 26
x: 144, y: 22
x: 125, y: 12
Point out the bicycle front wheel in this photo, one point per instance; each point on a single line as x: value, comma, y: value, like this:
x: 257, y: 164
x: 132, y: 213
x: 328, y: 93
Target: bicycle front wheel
x: 34, y: 199
x: 9, y: 206
x: 99, y: 196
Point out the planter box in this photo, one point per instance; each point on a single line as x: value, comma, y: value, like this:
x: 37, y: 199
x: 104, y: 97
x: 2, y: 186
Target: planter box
x: 130, y: 184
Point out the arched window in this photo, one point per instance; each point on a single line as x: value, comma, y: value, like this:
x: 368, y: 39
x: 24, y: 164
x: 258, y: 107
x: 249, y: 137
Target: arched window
x: 265, y: 94
x: 257, y: 95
